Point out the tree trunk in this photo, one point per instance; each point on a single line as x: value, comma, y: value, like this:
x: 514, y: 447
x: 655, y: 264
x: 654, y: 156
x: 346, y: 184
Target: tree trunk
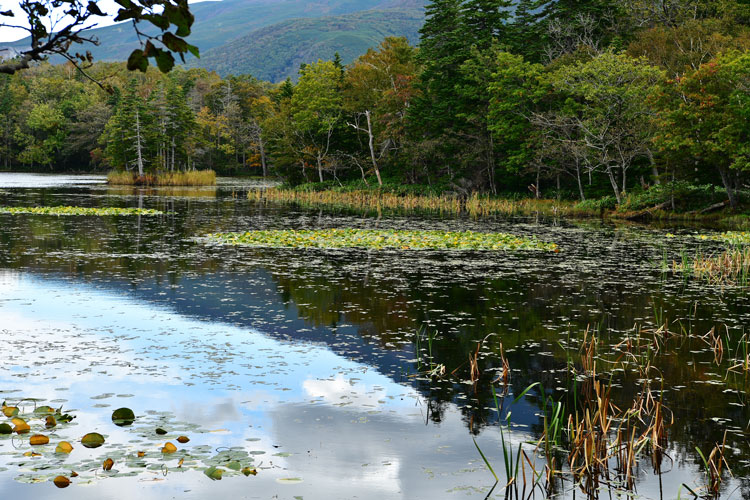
x: 615, y: 187
x: 320, y: 167
x: 263, y: 157
x: 580, y: 186
x: 725, y: 179
x: 138, y: 143
x: 371, y: 143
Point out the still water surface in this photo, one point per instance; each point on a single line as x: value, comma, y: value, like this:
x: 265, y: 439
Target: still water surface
x: 303, y: 363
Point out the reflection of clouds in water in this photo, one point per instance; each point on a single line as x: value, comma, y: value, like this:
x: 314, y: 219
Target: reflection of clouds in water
x: 343, y: 453
x: 343, y: 392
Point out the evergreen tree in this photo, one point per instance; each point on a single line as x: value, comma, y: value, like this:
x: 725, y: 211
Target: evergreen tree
x: 442, y: 50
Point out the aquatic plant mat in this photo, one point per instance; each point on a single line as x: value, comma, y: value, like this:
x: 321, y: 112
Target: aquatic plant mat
x: 380, y: 238
x: 47, y: 447
x: 79, y: 211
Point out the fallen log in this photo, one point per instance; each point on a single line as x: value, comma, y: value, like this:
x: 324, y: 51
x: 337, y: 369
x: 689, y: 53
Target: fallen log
x: 648, y: 212
x: 714, y: 207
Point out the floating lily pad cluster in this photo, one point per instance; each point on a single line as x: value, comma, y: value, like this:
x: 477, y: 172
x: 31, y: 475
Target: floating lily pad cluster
x: 735, y: 238
x: 79, y: 211
x: 43, y: 454
x: 381, y: 239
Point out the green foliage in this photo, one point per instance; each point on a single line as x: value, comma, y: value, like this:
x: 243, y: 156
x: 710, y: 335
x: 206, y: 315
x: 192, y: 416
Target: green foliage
x: 600, y: 204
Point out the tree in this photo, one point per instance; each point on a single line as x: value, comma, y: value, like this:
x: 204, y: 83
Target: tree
x: 704, y: 116
x: 515, y: 88
x: 56, y: 26
x: 607, y: 101
x: 125, y: 135
x: 377, y: 94
x: 316, y: 109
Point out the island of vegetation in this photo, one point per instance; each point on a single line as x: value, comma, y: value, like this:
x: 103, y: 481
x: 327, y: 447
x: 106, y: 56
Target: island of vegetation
x: 66, y: 210
x: 382, y: 238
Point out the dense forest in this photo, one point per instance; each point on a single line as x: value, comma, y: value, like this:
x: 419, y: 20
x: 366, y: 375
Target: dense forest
x: 585, y: 98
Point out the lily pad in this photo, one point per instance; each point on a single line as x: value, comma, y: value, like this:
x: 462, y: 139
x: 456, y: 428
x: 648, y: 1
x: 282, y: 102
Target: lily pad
x: 214, y: 473
x: 64, y: 447
x: 5, y: 428
x: 382, y: 239
x: 92, y: 440
x: 38, y: 439
x: 61, y: 482
x: 123, y: 416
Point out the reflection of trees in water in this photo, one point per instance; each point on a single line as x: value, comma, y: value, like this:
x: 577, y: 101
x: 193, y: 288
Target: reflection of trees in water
x: 387, y: 299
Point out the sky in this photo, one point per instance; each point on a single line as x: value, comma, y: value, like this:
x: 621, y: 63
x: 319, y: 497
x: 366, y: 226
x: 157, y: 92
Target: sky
x: 8, y: 34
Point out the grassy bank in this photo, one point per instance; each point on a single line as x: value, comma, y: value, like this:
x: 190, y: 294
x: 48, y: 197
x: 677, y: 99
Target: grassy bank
x: 377, y: 200
x: 189, y: 178
x: 678, y: 202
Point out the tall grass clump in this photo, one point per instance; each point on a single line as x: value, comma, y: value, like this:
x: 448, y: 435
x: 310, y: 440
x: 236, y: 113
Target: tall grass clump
x: 729, y: 267
x: 377, y: 200
x: 187, y: 178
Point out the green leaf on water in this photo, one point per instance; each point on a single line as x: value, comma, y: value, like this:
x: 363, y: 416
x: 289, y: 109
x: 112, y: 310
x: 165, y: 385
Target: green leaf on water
x: 123, y: 416
x: 214, y: 473
x: 92, y: 440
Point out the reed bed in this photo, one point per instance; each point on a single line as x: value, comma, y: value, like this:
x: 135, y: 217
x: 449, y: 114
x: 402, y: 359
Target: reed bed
x: 187, y: 178
x: 374, y: 200
x: 729, y: 267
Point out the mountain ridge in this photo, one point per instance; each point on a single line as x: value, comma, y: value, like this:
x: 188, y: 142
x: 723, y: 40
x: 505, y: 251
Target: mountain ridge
x: 219, y: 23
x: 275, y: 52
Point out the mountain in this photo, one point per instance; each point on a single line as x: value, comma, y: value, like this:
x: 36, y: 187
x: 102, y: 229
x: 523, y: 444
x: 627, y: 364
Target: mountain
x: 275, y: 52
x: 220, y: 23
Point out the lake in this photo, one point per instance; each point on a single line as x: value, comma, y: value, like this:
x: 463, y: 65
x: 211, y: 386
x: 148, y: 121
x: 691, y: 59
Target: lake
x: 338, y: 373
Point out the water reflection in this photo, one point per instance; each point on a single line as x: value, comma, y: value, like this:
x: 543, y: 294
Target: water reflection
x: 322, y: 344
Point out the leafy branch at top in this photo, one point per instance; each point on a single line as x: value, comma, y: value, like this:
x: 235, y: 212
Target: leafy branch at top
x: 55, y: 27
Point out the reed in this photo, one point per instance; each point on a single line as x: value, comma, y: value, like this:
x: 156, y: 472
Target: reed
x: 376, y: 200
x: 729, y: 267
x: 187, y: 178
x: 714, y: 465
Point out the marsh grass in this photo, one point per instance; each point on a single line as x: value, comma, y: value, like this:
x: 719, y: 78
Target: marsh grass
x: 188, y: 178
x: 728, y: 267
x: 377, y: 201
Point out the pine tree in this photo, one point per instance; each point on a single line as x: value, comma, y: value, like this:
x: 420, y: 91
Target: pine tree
x: 485, y: 22
x: 442, y: 50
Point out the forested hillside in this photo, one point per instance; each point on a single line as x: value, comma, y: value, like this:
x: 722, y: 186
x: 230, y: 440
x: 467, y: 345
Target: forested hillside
x: 219, y: 22
x: 591, y: 99
x: 276, y: 52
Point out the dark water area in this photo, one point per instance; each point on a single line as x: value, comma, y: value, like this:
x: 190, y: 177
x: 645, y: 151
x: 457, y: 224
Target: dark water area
x: 312, y: 364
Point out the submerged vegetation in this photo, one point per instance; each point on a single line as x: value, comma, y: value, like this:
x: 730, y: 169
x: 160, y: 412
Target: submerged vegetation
x: 382, y: 238
x: 79, y: 211
x: 188, y: 178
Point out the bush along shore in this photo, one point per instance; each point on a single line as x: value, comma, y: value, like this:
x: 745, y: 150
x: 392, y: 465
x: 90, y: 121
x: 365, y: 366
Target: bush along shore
x: 670, y: 201
x: 182, y: 178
